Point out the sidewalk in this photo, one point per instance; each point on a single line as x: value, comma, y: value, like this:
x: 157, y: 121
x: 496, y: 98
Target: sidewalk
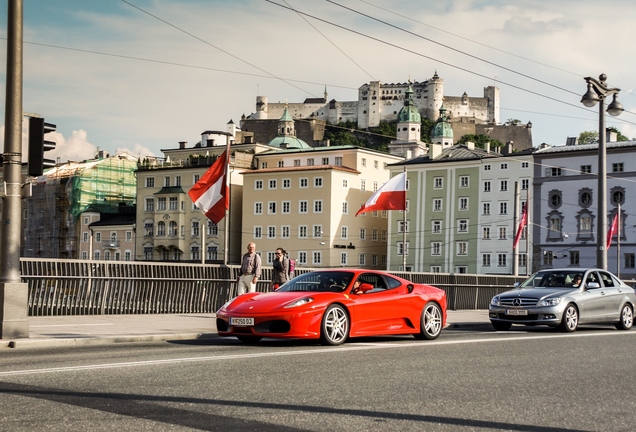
x: 67, y: 331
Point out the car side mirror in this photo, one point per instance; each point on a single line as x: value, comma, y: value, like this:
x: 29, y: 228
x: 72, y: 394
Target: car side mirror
x: 517, y: 284
x: 365, y: 287
x: 592, y: 285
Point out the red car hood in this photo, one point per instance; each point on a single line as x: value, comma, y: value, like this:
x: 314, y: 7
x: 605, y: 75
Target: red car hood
x: 272, y: 301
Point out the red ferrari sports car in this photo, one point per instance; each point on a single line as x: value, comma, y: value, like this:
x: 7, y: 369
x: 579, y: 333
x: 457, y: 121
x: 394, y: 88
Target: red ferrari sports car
x: 332, y: 305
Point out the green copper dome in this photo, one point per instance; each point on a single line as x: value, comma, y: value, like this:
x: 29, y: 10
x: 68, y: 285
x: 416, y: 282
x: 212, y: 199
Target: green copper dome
x: 409, y: 113
x: 288, y: 141
x: 443, y: 127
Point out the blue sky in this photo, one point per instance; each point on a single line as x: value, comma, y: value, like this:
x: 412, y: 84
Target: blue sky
x: 142, y: 75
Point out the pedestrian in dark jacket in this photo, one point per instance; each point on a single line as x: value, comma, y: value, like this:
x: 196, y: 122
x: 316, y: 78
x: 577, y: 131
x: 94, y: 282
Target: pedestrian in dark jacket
x: 280, y: 274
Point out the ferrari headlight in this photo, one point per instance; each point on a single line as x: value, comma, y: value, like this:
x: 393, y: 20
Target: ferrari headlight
x: 496, y: 301
x: 227, y: 303
x: 300, y: 302
x: 549, y: 302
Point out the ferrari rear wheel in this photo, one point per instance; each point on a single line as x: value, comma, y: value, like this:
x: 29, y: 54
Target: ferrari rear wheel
x: 249, y: 339
x: 431, y: 322
x: 335, y: 326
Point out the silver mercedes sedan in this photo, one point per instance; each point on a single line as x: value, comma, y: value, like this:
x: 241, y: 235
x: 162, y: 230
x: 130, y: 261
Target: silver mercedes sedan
x: 565, y: 298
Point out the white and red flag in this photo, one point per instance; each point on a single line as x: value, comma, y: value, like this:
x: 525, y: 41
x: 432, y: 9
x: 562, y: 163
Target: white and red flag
x: 390, y: 196
x: 522, y: 223
x: 612, y: 230
x: 211, y: 193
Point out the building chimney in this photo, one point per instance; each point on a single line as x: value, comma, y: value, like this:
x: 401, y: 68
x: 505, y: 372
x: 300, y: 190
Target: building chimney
x: 435, y: 150
x: 610, y: 135
x: 470, y: 145
x: 487, y: 147
x: 182, y: 144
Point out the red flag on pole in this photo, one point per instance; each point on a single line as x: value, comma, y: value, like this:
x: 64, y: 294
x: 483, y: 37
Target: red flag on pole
x: 612, y: 230
x: 390, y: 196
x: 522, y: 223
x: 211, y: 193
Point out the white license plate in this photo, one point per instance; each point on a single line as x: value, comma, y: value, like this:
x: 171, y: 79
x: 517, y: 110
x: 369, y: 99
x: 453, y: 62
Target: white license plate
x: 516, y: 312
x: 242, y: 321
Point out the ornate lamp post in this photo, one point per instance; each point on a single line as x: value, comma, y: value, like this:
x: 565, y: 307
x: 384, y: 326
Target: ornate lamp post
x: 597, y: 91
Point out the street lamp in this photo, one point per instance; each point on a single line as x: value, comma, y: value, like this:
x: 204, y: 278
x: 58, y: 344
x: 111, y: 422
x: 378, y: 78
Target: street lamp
x: 597, y: 91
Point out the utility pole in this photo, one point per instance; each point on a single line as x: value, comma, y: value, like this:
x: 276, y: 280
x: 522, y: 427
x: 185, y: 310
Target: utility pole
x: 13, y: 293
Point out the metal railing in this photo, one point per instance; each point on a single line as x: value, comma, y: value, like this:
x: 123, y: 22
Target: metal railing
x: 76, y: 287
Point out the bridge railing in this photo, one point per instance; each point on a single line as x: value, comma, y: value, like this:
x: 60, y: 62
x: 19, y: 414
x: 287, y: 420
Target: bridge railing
x: 77, y: 287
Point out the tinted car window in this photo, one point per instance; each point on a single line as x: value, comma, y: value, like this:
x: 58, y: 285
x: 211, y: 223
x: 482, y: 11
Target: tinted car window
x: 607, y: 279
x: 393, y: 283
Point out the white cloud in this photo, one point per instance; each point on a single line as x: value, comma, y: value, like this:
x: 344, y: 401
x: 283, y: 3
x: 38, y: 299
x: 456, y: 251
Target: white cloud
x: 138, y: 150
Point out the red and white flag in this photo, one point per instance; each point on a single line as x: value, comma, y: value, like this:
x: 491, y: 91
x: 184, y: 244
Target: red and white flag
x: 522, y: 223
x: 211, y: 193
x: 390, y: 196
x: 612, y: 230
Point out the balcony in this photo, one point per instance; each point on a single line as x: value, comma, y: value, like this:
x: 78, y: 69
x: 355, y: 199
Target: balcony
x: 110, y: 244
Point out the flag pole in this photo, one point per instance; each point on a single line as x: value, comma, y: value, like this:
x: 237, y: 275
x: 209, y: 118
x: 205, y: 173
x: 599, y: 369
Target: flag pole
x: 618, y: 242
x: 404, y: 226
x: 515, y: 223
x: 528, y: 231
x: 226, y: 237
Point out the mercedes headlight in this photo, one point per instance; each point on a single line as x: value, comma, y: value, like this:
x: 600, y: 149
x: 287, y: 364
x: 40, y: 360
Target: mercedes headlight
x: 496, y: 301
x: 300, y: 302
x: 549, y: 302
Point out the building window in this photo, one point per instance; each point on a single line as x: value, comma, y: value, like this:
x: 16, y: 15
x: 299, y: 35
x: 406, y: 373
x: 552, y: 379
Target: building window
x: 150, y: 182
x: 344, y: 232
x: 172, y: 228
x: 304, y: 183
x: 271, y: 184
x: 463, y: 203
x: 318, y: 182
x: 487, y: 186
x: 343, y: 258
x: 150, y: 204
x: 345, y: 183
x: 525, y: 183
x: 325, y: 161
x: 438, y: 182
x: 303, y: 206
x: 437, y: 227
x: 263, y: 165
x: 286, y: 183
x: 317, y: 231
x: 462, y: 226
x: 317, y: 258
x: 177, y: 180
x: 161, y: 228
x: 161, y: 203
x: 310, y: 162
x: 195, y: 229
x: 149, y: 229
x: 523, y: 260
x: 504, y: 166
x: 286, y: 207
x: 402, y: 226
x: 173, y: 203
x: 503, y: 185
x: 384, y: 236
x: 302, y: 257
x: 486, y: 167
x: 554, y: 172
x: 486, y: 208
x: 338, y: 161
x: 462, y: 248
x: 271, y: 232
x: 364, y: 162
x: 463, y: 181
x: 148, y: 253
x: 258, y: 232
x: 302, y: 231
x: 525, y: 165
x: 374, y: 260
x: 574, y: 258
x: 128, y: 236
x: 258, y: 208
x: 618, y: 197
x: 629, y: 260
x: 436, y: 248
x: 285, y: 231
x: 281, y: 164
x: 363, y: 185
x: 486, y: 233
x: 98, y: 237
x: 503, y: 208
x: 296, y: 162
x: 363, y: 233
x: 85, y: 237
x: 271, y: 207
x: 317, y: 206
x: 436, y: 269
x: 501, y: 260
x: 586, y: 169
x: 195, y: 253
x: 485, y: 260
x: 437, y: 204
x: 617, y: 167
x: 502, y: 233
x: 400, y: 248
x: 374, y: 234
x: 345, y: 207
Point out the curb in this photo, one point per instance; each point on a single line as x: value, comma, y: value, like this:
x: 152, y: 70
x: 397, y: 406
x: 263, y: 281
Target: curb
x: 96, y: 341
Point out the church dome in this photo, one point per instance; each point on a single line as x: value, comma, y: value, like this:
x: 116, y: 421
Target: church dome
x: 442, y: 128
x: 287, y: 141
x: 409, y: 113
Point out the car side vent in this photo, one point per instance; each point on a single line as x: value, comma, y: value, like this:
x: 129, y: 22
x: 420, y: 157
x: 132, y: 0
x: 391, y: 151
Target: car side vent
x: 410, y: 288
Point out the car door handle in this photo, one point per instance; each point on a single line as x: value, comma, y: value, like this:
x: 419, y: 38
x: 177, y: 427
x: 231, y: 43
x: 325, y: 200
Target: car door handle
x: 602, y: 292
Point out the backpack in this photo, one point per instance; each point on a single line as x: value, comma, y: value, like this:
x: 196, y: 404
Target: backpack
x: 292, y: 266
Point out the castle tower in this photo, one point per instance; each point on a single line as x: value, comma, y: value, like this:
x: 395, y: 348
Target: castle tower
x: 261, y: 108
x: 435, y: 96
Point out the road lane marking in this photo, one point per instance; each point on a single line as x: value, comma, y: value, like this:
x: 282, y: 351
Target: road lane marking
x: 71, y: 325
x: 325, y: 350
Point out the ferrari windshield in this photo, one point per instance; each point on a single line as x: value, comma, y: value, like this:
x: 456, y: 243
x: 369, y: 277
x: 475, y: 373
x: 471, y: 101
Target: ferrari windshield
x: 319, y: 281
x: 554, y: 278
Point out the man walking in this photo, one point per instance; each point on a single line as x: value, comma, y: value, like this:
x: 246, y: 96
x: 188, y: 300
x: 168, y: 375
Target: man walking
x: 250, y: 270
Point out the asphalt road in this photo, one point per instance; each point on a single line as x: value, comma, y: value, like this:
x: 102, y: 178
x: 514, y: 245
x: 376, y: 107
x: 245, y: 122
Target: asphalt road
x: 468, y: 379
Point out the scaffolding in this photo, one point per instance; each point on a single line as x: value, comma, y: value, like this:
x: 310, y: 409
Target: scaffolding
x: 64, y: 192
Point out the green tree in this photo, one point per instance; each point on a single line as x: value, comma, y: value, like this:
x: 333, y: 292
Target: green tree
x: 480, y: 140
x: 513, y: 122
x: 588, y: 137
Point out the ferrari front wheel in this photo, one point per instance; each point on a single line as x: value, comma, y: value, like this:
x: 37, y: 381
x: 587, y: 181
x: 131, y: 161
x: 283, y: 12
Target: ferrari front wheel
x: 335, y: 326
x: 431, y: 322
